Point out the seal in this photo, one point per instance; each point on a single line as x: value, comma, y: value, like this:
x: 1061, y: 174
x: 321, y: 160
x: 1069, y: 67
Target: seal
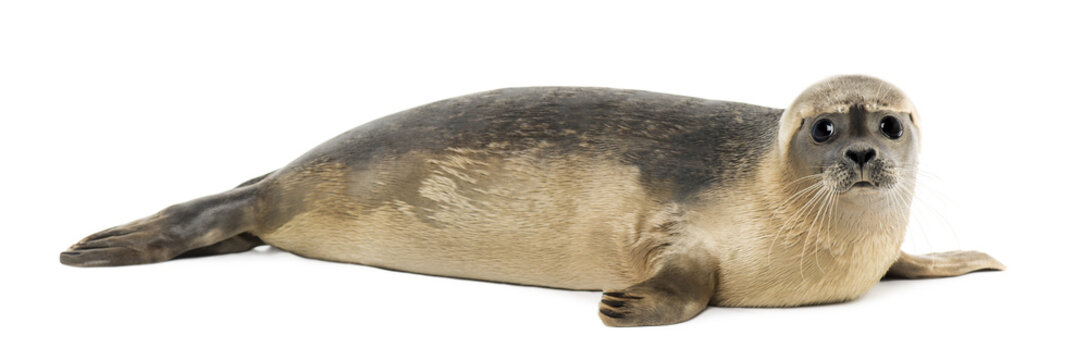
x: 667, y: 203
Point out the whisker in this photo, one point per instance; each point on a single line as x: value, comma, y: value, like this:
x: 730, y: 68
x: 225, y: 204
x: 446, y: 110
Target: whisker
x: 801, y: 179
x: 932, y: 212
x: 804, y: 243
x: 904, y: 204
x: 814, y: 187
x: 808, y: 233
x: 830, y: 244
x: 798, y: 216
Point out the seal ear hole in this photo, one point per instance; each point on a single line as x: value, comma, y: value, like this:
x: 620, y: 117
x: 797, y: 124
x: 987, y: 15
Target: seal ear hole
x: 822, y: 130
x: 891, y: 127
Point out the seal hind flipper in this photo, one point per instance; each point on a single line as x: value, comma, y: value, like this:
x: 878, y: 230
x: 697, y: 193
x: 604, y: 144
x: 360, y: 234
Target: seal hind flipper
x: 239, y: 243
x: 679, y: 291
x: 202, y: 224
x: 943, y: 264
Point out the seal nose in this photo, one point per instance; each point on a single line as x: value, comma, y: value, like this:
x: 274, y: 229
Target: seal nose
x: 860, y: 156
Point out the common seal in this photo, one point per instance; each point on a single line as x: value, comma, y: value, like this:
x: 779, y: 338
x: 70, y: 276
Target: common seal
x: 667, y: 203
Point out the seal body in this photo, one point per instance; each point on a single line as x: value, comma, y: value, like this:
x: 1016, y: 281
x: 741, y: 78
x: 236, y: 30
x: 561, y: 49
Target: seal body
x: 675, y: 201
x: 559, y: 187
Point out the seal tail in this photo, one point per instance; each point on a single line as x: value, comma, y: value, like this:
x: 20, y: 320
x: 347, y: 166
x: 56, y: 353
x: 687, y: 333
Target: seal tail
x: 212, y: 225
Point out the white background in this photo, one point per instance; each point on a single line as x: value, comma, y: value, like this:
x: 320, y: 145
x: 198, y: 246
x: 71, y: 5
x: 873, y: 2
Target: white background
x: 112, y: 110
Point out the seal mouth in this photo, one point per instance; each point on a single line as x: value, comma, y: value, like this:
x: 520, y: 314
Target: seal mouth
x: 863, y: 184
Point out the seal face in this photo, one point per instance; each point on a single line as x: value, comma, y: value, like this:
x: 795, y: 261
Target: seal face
x: 667, y: 203
x: 852, y: 154
x: 864, y: 143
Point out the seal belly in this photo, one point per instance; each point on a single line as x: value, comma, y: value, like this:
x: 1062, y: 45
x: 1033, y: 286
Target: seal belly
x: 527, y: 216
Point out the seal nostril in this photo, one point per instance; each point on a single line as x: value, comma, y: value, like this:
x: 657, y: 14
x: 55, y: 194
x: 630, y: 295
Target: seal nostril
x: 853, y: 156
x: 869, y: 155
x: 860, y: 156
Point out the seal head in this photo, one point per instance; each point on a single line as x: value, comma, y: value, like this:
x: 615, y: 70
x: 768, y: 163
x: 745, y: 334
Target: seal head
x: 856, y: 134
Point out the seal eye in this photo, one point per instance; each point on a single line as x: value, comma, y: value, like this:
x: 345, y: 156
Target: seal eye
x: 891, y: 127
x: 822, y: 130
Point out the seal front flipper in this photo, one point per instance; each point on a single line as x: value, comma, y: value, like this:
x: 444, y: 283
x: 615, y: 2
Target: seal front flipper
x: 198, y: 224
x: 943, y: 264
x: 681, y: 289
